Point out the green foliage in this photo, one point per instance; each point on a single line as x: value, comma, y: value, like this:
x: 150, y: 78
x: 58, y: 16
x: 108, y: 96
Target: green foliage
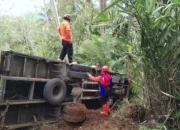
x: 178, y: 114
x: 157, y: 43
x: 159, y: 128
x: 101, y: 51
x: 30, y: 37
x: 137, y: 37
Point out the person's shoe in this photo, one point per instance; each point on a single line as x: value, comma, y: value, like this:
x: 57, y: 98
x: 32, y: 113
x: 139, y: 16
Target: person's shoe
x: 60, y: 60
x: 73, y: 63
x: 104, y: 111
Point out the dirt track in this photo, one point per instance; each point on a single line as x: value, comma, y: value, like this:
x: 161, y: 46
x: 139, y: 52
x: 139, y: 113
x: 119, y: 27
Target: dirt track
x: 95, y: 121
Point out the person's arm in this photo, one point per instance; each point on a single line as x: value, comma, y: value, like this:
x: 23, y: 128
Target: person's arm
x: 69, y: 34
x: 96, y: 79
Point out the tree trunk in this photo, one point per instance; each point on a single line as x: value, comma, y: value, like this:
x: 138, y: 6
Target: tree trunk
x: 102, y: 7
x: 102, y: 4
x: 89, y: 1
x: 55, y: 12
x: 45, y: 11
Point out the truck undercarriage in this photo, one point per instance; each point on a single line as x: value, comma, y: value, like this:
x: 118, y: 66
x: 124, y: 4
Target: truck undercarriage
x: 33, y: 90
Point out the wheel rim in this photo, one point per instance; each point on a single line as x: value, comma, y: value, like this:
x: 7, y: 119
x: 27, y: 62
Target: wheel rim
x: 56, y: 90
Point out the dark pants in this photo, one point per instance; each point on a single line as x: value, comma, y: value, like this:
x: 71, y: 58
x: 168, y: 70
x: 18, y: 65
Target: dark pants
x: 67, y: 49
x: 104, y: 98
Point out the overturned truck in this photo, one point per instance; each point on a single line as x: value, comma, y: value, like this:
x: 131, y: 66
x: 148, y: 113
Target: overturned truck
x: 34, y: 90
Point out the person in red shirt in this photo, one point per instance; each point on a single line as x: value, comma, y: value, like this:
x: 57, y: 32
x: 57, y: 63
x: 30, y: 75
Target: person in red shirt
x: 105, y: 83
x: 65, y: 31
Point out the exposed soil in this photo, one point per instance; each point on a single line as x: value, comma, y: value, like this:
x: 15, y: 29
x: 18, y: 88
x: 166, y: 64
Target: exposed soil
x: 134, y: 112
x: 95, y: 121
x: 77, y: 109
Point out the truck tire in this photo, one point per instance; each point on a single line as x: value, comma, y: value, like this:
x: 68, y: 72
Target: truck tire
x: 79, y: 75
x: 82, y: 68
x: 73, y: 119
x: 55, y: 91
x: 75, y: 109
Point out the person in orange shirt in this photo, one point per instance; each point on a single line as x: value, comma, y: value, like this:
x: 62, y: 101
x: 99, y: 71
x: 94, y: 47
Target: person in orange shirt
x: 65, y: 31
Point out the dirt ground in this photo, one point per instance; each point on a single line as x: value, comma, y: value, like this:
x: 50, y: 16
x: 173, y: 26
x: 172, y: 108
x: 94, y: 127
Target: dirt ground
x: 95, y: 121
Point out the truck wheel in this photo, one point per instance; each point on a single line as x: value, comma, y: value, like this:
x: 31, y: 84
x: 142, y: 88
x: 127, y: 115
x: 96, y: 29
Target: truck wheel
x: 73, y: 119
x: 82, y: 68
x: 55, y: 91
x: 75, y: 109
x: 80, y: 75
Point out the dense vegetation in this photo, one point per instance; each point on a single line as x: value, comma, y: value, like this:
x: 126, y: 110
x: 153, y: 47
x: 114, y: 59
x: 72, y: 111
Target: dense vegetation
x: 137, y: 37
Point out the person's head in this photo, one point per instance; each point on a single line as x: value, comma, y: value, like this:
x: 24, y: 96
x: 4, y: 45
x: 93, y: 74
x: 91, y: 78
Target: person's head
x: 67, y: 17
x: 104, y: 69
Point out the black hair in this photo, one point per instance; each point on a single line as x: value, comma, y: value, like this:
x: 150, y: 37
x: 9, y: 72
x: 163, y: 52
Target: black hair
x: 68, y: 19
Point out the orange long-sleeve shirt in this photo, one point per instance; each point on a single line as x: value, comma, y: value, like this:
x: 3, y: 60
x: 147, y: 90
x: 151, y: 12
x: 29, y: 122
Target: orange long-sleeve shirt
x: 65, y: 31
x: 96, y: 79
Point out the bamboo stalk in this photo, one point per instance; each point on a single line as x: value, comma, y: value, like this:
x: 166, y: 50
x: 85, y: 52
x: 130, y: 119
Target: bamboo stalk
x: 56, y: 16
x: 57, y: 20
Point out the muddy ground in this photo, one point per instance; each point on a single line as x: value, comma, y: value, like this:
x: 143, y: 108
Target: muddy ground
x: 94, y: 121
